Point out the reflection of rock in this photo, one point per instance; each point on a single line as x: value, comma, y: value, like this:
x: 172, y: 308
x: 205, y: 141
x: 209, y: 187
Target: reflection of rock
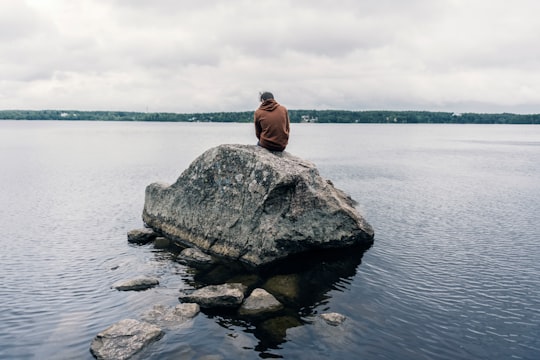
x: 285, y: 287
x: 161, y: 242
x: 169, y: 317
x: 219, y: 273
x: 195, y: 257
x: 139, y: 283
x: 225, y: 295
x: 248, y: 280
x: 141, y: 236
x: 333, y: 318
x: 260, y: 301
x: 124, y: 339
x: 242, y: 202
x: 274, y: 330
x: 301, y: 283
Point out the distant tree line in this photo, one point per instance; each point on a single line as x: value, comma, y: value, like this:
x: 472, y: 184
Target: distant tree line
x: 296, y: 116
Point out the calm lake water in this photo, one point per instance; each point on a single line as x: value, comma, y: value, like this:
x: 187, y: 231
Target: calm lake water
x: 454, y: 272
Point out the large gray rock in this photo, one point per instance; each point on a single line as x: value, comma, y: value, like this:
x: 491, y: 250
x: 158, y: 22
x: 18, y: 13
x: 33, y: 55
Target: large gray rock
x: 247, y: 203
x: 124, y: 339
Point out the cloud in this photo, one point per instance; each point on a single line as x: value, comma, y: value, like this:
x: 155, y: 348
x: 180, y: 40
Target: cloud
x: 188, y: 56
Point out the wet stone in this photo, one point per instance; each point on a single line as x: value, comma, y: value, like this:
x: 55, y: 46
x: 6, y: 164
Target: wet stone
x: 195, y: 257
x: 141, y: 236
x: 124, y: 339
x: 224, y: 295
x: 138, y: 283
x: 260, y: 301
x: 333, y: 318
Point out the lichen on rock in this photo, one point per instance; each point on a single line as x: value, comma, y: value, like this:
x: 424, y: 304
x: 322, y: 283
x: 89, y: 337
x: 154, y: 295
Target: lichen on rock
x: 246, y: 203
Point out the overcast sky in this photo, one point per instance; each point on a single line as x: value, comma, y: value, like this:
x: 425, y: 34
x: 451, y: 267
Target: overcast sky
x: 209, y: 55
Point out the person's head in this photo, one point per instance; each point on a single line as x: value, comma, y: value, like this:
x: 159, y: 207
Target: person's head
x: 266, y: 96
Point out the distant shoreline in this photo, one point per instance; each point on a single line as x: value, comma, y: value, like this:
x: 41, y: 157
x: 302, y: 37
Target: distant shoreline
x: 296, y: 116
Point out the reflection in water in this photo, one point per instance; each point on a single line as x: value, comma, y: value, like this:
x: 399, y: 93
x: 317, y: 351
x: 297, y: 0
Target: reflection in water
x: 300, y: 283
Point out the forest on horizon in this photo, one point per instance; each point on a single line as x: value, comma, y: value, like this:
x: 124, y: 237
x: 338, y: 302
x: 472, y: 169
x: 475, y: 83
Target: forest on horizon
x: 296, y: 116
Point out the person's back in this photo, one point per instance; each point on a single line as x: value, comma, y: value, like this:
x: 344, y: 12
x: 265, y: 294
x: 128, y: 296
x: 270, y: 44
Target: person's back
x: 272, y: 125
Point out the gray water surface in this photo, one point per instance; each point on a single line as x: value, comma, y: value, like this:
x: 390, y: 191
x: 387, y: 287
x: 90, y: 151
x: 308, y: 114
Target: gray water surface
x: 453, y: 274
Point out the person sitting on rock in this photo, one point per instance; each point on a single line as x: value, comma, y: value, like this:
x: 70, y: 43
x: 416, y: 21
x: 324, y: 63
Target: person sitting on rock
x: 272, y: 125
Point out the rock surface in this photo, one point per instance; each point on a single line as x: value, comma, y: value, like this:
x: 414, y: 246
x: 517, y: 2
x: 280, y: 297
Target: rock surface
x: 260, y: 301
x: 138, y: 283
x: 124, y: 339
x: 246, y: 203
x: 224, y: 295
x: 141, y: 236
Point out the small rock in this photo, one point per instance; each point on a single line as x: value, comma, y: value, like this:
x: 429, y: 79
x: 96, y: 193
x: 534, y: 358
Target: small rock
x: 225, y: 295
x: 141, y: 236
x: 333, y: 319
x: 163, y: 316
x: 260, y: 301
x: 187, y: 310
x: 139, y: 283
x: 195, y: 257
x: 124, y: 339
x: 161, y: 242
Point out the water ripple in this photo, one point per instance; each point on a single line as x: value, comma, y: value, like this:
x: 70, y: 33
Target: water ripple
x: 453, y: 273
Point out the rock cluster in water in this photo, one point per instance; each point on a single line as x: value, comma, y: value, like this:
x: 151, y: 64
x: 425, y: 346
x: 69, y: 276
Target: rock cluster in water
x: 239, y: 204
x: 271, y: 299
x: 246, y: 203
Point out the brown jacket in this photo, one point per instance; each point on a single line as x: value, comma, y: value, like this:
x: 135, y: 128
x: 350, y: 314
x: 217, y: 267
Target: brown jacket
x: 272, y: 125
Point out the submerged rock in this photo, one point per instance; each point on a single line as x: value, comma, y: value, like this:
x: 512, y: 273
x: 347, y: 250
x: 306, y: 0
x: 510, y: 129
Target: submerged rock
x: 333, y: 318
x: 275, y: 329
x: 168, y: 317
x: 224, y: 295
x: 284, y: 286
x: 260, y: 301
x: 138, y: 283
x: 141, y: 236
x: 124, y: 339
x: 247, y: 203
